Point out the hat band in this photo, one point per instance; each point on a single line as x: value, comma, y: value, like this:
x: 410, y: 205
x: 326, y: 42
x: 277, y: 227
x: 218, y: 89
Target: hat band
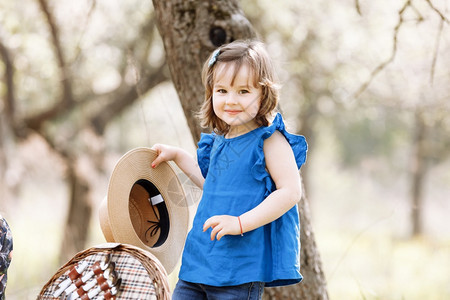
x: 163, y: 222
x: 162, y: 225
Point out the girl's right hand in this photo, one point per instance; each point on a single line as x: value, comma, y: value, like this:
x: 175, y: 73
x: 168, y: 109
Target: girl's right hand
x: 164, y: 153
x: 182, y: 159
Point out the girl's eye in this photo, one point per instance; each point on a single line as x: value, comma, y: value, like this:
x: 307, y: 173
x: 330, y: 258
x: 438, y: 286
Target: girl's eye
x: 221, y: 91
x: 244, y: 92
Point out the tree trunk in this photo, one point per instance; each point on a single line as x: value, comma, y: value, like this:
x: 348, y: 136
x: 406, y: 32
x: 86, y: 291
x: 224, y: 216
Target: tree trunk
x: 79, y: 214
x: 313, y: 286
x: 418, y: 170
x: 305, y: 121
x: 190, y: 31
x: 83, y: 171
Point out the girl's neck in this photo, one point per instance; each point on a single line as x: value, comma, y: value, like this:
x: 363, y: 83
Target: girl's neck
x: 236, y: 131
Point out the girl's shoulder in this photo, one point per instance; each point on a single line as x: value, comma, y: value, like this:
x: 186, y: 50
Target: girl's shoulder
x: 275, y: 134
x: 296, y: 142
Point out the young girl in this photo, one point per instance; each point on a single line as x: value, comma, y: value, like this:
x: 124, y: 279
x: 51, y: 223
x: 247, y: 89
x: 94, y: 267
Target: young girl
x: 245, y: 233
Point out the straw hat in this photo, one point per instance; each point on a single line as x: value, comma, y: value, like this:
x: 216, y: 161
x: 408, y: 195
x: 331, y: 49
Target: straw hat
x: 146, y: 207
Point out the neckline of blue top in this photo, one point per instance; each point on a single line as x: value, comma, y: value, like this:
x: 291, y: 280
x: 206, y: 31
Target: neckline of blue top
x: 275, y: 121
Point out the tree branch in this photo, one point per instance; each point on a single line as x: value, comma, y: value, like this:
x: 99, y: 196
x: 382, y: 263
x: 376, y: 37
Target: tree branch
x: 444, y: 19
x: 358, y: 7
x: 441, y: 15
x: 9, y: 102
x: 383, y: 65
x: 123, y: 100
x: 143, y: 83
x: 436, y: 51
x: 66, y: 101
x: 83, y: 28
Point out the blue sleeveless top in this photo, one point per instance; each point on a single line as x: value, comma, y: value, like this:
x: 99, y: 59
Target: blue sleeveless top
x: 236, y: 180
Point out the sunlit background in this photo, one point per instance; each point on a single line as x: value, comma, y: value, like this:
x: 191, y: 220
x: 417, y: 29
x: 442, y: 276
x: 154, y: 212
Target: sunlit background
x: 367, y: 83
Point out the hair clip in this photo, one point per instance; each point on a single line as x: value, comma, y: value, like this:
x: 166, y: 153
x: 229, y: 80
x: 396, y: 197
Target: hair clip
x: 213, y: 58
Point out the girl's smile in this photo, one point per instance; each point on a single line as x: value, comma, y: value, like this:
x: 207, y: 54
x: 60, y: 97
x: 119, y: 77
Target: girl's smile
x: 232, y: 112
x: 236, y: 100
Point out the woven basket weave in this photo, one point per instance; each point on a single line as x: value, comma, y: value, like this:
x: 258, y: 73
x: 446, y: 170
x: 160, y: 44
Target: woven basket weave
x: 142, y: 275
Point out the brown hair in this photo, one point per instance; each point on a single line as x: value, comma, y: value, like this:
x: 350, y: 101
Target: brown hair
x: 239, y: 53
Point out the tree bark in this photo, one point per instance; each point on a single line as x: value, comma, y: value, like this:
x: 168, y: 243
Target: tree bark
x: 190, y: 31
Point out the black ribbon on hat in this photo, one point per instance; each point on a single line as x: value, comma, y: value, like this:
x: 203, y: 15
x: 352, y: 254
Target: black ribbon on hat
x: 163, y: 222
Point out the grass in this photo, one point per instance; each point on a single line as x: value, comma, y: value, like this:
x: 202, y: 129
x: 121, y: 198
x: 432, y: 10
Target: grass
x: 377, y: 266
x: 362, y: 231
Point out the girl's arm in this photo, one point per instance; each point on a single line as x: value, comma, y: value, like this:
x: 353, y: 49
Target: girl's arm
x: 280, y: 163
x: 182, y: 158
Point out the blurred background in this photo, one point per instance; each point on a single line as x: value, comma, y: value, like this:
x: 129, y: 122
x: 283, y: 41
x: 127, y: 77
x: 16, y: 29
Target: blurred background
x: 367, y: 83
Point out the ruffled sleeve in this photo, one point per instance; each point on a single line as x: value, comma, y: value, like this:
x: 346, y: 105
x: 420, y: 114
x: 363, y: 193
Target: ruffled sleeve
x: 297, y: 142
x: 203, y: 152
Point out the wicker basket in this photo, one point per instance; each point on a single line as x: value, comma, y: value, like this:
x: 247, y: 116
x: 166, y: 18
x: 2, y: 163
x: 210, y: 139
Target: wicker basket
x: 142, y: 275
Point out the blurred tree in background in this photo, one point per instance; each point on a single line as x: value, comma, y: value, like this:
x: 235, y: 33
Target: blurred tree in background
x: 64, y: 87
x: 366, y: 82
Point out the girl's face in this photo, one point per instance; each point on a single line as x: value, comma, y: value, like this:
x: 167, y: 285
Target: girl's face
x: 236, y: 101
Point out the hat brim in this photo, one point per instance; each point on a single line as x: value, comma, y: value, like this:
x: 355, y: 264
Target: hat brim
x: 132, y: 167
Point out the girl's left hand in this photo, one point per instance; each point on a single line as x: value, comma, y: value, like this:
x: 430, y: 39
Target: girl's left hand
x: 222, y: 225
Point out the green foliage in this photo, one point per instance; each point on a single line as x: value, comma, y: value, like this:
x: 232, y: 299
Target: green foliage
x: 375, y: 132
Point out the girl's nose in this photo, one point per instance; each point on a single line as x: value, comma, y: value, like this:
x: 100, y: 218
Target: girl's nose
x: 231, y: 99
